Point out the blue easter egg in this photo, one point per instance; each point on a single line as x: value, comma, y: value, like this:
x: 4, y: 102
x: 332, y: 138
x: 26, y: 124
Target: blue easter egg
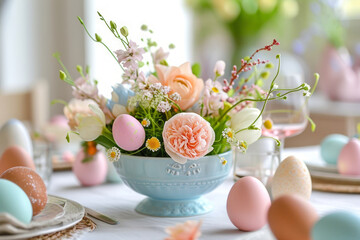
x: 120, y: 95
x: 337, y: 225
x: 331, y: 146
x: 13, y: 200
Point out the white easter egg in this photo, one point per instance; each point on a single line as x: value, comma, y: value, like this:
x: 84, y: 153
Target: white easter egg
x: 291, y: 177
x: 14, y: 132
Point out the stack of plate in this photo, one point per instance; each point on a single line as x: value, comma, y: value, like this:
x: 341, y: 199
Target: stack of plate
x: 326, y: 177
x: 58, y: 214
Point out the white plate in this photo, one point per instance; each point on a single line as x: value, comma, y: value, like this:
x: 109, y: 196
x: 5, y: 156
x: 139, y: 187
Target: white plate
x: 321, y: 167
x: 335, y: 176
x: 73, y: 213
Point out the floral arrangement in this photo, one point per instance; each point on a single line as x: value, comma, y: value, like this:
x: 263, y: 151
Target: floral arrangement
x: 162, y: 110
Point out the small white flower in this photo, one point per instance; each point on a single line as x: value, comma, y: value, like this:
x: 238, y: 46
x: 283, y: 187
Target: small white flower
x: 229, y: 134
x: 163, y: 107
x: 275, y: 86
x: 175, y: 96
x: 241, y: 145
x: 307, y: 94
x: 155, y: 86
x: 223, y: 161
x: 306, y: 87
x: 165, y: 89
x: 219, y: 68
x: 147, y: 95
x: 145, y: 122
x: 113, y: 154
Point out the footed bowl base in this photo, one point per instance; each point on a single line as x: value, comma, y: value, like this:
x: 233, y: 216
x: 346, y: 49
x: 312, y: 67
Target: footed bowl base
x: 174, y: 208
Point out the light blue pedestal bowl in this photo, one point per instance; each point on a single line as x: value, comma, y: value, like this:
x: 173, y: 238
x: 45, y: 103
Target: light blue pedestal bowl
x: 173, y: 189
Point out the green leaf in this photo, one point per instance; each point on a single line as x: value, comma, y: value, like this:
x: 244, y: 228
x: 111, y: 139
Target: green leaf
x: 313, y: 125
x: 231, y: 92
x: 164, y: 62
x: 87, y: 159
x: 54, y: 101
x: 196, y: 69
x: 67, y: 137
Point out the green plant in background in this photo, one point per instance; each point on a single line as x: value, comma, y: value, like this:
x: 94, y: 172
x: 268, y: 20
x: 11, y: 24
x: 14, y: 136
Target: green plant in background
x: 245, y: 20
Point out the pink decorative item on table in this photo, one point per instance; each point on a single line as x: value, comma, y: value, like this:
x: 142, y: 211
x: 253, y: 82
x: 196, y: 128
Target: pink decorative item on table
x: 128, y: 132
x: 92, y: 172
x: 247, y: 204
x: 340, y: 80
x: 349, y: 158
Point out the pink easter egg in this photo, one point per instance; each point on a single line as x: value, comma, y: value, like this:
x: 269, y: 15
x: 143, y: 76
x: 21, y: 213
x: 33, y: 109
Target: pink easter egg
x: 59, y: 120
x: 128, y: 132
x: 349, y: 158
x: 90, y: 173
x: 248, y: 203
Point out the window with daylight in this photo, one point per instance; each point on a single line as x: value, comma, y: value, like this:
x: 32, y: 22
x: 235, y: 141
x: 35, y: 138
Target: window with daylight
x: 169, y: 21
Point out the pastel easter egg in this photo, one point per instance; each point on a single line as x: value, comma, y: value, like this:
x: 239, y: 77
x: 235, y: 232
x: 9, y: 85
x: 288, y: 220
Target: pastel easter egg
x: 349, y: 158
x: 331, y: 146
x: 337, y: 225
x: 14, y: 132
x: 247, y: 204
x: 15, y: 156
x: 291, y: 177
x: 92, y: 172
x: 128, y: 132
x: 14, y: 201
x: 31, y: 183
x: 291, y: 217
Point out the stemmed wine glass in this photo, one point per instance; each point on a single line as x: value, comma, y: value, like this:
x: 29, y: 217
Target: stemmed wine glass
x: 288, y: 117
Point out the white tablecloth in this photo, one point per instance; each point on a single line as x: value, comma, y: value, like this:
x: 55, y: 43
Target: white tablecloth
x: 119, y: 201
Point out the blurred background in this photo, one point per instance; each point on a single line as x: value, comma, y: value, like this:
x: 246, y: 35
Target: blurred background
x: 315, y: 35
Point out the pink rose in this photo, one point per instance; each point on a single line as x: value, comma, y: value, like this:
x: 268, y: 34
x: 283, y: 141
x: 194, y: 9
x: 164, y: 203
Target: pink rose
x: 187, y: 136
x: 181, y: 80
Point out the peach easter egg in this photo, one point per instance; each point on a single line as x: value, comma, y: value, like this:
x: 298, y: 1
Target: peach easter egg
x: 15, y: 156
x: 247, y: 204
x: 349, y: 158
x: 31, y: 183
x: 292, y: 217
x: 128, y: 132
x: 291, y: 177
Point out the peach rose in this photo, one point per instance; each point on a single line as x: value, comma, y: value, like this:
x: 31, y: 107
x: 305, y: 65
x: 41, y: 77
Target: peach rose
x: 190, y: 230
x: 181, y: 80
x: 187, y: 136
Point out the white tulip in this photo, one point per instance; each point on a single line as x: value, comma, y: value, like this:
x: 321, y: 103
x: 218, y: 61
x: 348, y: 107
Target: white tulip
x: 91, y: 127
x: 243, y: 119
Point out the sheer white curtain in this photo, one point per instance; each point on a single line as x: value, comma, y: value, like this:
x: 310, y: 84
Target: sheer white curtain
x: 31, y: 31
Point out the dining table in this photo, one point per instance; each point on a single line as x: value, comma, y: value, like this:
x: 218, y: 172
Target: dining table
x: 119, y: 201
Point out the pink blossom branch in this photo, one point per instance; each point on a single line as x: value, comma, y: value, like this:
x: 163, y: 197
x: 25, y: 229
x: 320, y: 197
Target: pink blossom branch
x: 246, y: 65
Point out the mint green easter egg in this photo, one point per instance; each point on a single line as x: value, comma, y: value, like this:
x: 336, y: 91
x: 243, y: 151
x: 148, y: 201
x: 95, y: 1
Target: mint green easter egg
x: 13, y: 200
x: 331, y: 146
x: 339, y: 225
